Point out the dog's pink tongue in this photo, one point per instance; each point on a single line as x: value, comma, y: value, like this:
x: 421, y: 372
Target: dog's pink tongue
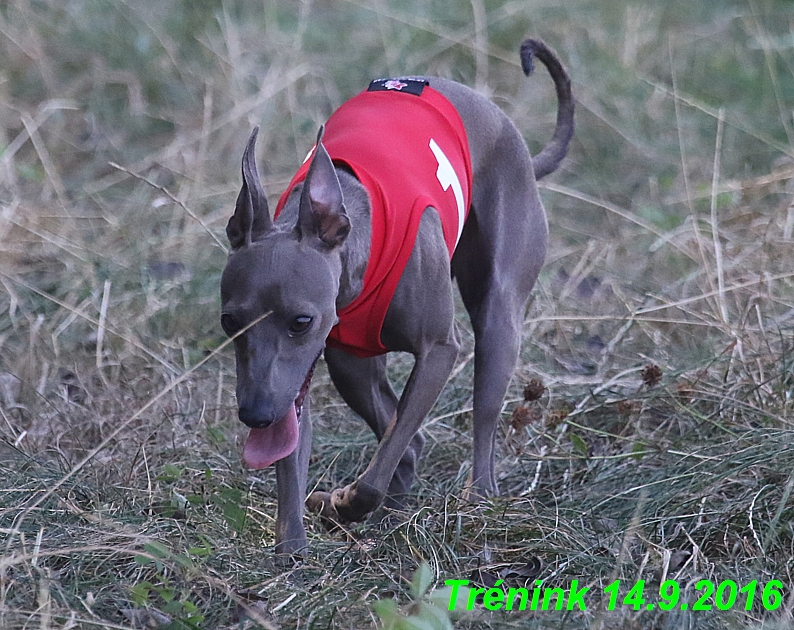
x: 266, y: 446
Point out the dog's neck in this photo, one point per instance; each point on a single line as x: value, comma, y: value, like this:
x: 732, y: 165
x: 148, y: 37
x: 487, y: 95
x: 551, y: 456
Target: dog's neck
x: 348, y: 262
x: 354, y: 252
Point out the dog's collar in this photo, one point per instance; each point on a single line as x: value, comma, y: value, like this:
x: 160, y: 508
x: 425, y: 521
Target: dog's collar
x: 407, y: 86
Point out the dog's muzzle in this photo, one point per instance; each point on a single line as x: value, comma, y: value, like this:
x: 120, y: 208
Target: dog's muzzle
x: 278, y: 440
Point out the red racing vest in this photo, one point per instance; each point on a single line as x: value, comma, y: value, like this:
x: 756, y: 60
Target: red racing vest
x: 406, y: 144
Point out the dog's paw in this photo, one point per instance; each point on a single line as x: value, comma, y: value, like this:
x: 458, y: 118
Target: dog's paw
x: 478, y: 492
x: 321, y: 504
x: 286, y: 560
x: 291, y: 544
x: 289, y: 552
x: 355, y: 502
x: 350, y: 504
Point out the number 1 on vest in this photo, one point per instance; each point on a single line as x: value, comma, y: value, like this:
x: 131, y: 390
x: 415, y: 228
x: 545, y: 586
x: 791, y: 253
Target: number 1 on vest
x: 448, y: 177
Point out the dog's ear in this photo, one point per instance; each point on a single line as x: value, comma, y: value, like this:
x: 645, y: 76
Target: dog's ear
x: 251, y: 218
x: 322, y: 211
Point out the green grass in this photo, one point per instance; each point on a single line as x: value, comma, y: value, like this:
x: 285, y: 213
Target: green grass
x: 123, y: 502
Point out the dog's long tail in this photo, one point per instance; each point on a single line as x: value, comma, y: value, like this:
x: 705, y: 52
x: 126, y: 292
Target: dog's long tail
x: 552, y: 154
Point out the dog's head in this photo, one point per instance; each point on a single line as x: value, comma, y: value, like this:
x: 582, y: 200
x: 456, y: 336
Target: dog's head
x: 278, y: 296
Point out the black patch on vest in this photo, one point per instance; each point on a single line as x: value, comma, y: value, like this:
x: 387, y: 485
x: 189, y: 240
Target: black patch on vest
x: 408, y: 86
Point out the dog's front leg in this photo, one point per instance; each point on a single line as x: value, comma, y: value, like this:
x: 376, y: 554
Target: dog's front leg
x: 291, y: 474
x: 420, y: 320
x: 429, y: 374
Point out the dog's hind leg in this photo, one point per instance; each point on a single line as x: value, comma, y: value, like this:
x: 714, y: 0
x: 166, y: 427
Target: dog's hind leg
x: 497, y: 332
x: 365, y: 388
x: 498, y: 259
x: 494, y: 364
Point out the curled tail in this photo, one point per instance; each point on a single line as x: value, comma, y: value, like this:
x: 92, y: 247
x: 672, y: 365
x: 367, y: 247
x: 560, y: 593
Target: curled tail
x: 550, y: 157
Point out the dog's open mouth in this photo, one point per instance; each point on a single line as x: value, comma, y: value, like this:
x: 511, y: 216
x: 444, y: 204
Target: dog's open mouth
x: 266, y: 446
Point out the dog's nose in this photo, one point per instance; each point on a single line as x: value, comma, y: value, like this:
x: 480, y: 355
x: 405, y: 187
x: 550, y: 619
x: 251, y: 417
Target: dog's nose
x: 253, y: 416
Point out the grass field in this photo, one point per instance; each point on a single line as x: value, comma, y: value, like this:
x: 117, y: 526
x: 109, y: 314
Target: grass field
x: 662, y: 327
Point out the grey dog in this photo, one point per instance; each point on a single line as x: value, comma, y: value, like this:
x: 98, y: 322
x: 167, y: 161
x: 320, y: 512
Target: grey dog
x: 287, y: 279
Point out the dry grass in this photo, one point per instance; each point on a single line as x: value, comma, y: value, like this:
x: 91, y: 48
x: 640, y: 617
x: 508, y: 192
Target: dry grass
x: 122, y: 499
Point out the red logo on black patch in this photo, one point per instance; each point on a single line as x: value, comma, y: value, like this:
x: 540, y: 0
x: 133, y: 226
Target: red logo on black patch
x: 395, y: 84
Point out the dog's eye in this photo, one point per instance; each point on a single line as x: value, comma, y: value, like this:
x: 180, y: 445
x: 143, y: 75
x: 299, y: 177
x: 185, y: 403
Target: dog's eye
x: 230, y: 325
x: 300, y: 324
